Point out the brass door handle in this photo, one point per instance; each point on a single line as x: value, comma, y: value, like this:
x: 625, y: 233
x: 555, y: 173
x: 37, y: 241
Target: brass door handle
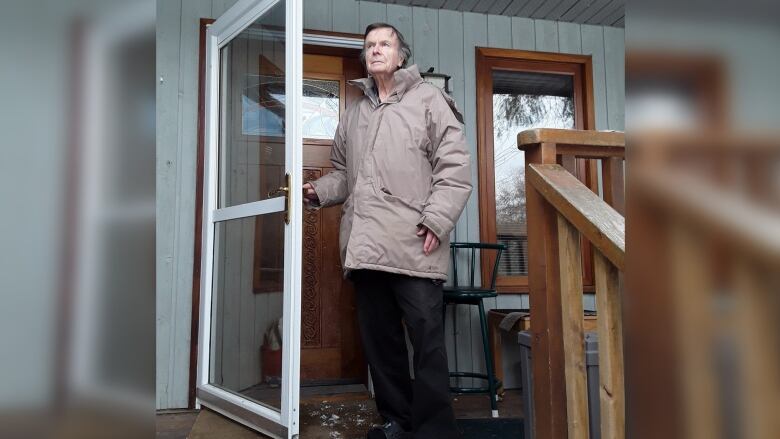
x: 284, y: 191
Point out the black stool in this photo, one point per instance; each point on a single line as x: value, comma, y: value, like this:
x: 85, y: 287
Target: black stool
x: 473, y: 295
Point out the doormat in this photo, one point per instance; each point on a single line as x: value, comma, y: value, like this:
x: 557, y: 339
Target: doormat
x: 491, y: 428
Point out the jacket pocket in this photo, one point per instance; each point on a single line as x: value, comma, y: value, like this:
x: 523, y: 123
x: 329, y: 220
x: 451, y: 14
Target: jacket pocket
x: 415, y: 205
x: 405, y: 175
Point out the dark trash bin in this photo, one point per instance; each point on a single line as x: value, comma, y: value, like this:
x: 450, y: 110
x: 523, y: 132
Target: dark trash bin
x: 591, y: 368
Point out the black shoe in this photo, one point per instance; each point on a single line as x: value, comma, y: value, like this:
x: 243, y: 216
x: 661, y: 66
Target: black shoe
x: 391, y: 430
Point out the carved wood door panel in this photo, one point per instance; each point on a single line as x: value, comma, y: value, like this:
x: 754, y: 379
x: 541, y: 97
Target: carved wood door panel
x: 330, y: 344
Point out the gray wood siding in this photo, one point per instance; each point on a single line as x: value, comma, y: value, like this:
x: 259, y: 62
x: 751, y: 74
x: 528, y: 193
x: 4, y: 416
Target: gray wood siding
x: 177, y: 102
x: 443, y: 39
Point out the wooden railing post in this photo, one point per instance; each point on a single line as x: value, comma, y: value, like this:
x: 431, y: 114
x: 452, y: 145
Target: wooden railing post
x: 613, y: 183
x: 692, y: 288
x: 759, y: 377
x: 550, y: 417
x: 573, y: 334
x: 611, y: 387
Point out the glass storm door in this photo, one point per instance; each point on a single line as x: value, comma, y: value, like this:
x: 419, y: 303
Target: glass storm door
x: 249, y: 340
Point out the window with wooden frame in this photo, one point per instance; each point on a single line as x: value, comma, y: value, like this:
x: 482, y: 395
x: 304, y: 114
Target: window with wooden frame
x: 519, y: 90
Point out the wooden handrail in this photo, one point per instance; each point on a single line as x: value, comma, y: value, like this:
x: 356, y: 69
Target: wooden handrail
x: 577, y: 143
x: 742, y: 225
x: 710, y: 142
x: 594, y: 218
x: 572, y: 137
x: 560, y: 211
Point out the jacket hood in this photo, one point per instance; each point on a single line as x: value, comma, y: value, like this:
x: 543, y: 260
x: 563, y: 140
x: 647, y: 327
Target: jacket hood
x: 404, y: 79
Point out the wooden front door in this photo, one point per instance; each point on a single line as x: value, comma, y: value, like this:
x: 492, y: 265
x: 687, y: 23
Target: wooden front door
x: 330, y: 342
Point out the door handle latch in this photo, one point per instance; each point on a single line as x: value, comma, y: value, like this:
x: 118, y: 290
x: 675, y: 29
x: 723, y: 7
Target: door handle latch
x: 283, y: 191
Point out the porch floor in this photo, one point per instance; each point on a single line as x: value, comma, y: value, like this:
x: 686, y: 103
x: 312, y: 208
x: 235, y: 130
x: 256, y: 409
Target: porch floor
x: 343, y: 416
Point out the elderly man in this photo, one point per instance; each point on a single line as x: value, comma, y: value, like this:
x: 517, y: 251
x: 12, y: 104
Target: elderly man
x: 402, y: 172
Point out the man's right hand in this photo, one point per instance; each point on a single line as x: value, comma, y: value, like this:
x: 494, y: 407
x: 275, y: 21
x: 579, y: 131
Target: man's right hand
x: 310, y: 197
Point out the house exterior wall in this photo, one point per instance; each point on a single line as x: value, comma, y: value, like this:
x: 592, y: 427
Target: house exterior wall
x: 442, y: 39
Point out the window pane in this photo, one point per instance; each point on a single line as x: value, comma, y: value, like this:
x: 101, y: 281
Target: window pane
x: 320, y: 108
x: 262, y: 106
x: 521, y: 101
x: 247, y: 307
x: 252, y: 111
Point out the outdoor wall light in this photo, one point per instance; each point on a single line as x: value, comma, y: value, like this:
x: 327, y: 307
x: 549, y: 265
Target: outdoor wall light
x: 438, y: 79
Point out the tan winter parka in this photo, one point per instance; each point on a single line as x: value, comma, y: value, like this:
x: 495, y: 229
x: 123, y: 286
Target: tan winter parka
x: 398, y: 164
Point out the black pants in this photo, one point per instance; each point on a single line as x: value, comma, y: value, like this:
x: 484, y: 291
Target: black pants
x: 383, y: 299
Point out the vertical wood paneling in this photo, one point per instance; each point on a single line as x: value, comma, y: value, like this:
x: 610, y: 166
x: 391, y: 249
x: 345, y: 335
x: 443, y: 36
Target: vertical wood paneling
x: 592, y: 38
x: 450, y: 39
x: 371, y: 12
x: 615, y: 59
x: 474, y: 35
x: 569, y: 39
x: 401, y: 17
x: 425, y: 28
x: 345, y: 16
x: 317, y: 14
x: 499, y: 31
x: 218, y: 7
x: 593, y: 44
x: 510, y: 301
x: 451, y: 62
x: 523, y: 34
x: 185, y: 200
x: 167, y: 60
x: 546, y: 35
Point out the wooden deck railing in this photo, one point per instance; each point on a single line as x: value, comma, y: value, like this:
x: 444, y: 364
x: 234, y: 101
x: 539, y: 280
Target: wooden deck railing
x: 560, y: 210
x: 704, y: 214
x: 724, y: 254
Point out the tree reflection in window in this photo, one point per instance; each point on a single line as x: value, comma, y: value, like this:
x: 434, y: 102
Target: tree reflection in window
x: 521, y: 101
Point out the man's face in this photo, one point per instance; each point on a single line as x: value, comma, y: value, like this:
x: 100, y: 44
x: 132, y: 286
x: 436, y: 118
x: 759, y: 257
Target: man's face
x: 383, y: 56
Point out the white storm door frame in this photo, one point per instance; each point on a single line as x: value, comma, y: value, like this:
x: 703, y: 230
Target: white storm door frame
x: 285, y: 423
